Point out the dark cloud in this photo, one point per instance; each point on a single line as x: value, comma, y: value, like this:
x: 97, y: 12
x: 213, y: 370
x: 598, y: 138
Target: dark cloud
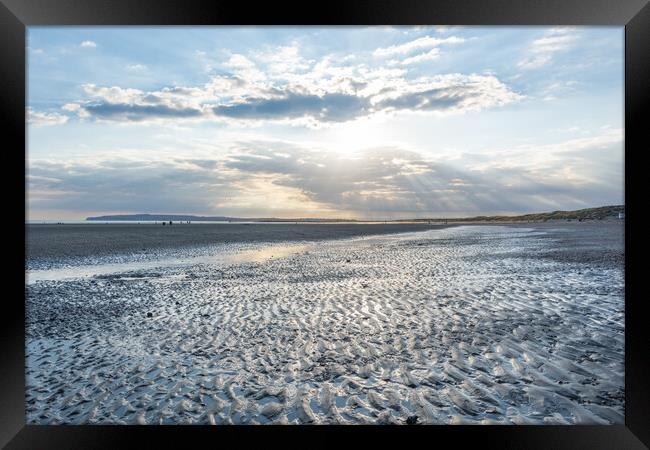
x: 116, y: 185
x: 136, y: 113
x: 395, y: 180
x: 380, y: 181
x: 152, y: 98
x: 344, y: 107
x: 327, y: 108
x: 432, y: 99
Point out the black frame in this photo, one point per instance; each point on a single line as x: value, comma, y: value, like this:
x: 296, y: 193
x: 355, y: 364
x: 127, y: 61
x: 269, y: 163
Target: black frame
x: 16, y: 15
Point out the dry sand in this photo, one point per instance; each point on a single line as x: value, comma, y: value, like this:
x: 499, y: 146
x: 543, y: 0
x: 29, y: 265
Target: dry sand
x: 473, y: 324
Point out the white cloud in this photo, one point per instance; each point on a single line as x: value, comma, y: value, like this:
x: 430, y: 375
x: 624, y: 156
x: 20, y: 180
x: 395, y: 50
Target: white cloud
x: 75, y: 108
x: 425, y: 42
x: 557, y: 89
x: 44, y: 118
x: 302, y: 93
x: 238, y: 61
x: 112, y: 94
x: 283, y: 59
x: 71, y: 107
x: 88, y: 44
x: 245, y: 68
x: 136, y: 67
x: 542, y: 49
x: 207, y: 63
x: 432, y: 54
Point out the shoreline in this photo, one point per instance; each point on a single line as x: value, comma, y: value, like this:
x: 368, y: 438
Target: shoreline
x: 51, y: 241
x: 65, y: 241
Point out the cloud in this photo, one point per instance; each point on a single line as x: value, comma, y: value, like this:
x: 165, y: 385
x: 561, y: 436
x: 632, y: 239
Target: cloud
x: 454, y: 93
x: 425, y: 42
x: 136, y: 67
x: 442, y: 29
x: 123, y: 185
x: 542, y: 49
x: 71, y: 107
x: 283, y: 59
x: 244, y: 68
x: 44, y: 118
x: 330, y: 96
x: 294, y: 90
x: 334, y: 107
x: 239, y: 62
x: 262, y: 178
x: 406, y: 51
x: 572, y: 174
x: 112, y: 94
x: 133, y: 105
x: 432, y: 54
x: 137, y: 113
x: 88, y: 44
x: 557, y: 89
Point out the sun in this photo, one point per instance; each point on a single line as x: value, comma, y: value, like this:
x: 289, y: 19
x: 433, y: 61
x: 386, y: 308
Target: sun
x: 360, y: 134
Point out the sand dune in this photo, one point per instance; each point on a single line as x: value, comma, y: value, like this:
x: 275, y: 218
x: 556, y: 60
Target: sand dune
x: 472, y: 324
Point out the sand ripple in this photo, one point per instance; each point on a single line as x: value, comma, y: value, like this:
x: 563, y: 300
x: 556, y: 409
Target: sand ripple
x: 462, y: 325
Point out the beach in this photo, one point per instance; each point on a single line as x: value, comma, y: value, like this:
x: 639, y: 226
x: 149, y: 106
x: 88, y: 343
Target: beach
x: 325, y: 324
x: 53, y: 244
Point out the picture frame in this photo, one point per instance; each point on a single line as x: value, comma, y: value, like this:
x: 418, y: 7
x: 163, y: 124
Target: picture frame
x: 16, y: 15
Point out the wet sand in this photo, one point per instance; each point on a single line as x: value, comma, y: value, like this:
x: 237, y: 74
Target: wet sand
x: 55, y: 243
x: 472, y: 324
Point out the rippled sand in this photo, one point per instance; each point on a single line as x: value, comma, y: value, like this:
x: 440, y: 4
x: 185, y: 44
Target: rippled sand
x: 476, y: 324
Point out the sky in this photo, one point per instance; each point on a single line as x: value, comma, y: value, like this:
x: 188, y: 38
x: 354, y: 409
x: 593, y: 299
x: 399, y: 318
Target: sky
x: 374, y: 123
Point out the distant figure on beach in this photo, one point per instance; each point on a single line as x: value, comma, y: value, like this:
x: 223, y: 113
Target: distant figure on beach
x: 164, y: 223
x: 170, y: 222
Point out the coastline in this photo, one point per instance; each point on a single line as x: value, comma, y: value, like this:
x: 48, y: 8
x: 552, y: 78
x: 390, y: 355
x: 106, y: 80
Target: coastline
x: 78, y: 240
x: 47, y: 241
